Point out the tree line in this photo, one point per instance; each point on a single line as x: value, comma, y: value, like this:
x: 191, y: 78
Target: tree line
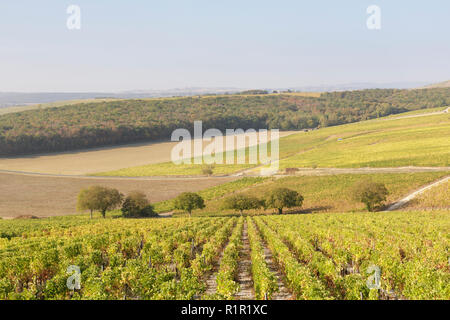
x: 98, y: 124
x: 136, y: 204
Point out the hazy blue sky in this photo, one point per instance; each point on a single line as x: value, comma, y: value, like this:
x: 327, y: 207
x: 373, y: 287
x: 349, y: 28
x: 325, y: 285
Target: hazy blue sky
x: 138, y: 44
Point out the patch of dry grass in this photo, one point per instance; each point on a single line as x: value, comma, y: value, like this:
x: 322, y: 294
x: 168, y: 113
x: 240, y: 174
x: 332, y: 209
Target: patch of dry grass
x: 437, y: 197
x: 333, y: 193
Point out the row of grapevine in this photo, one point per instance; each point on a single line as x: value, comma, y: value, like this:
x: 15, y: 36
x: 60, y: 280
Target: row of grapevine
x: 300, y: 279
x: 227, y: 286
x: 264, y: 280
x: 341, y: 285
x: 344, y: 250
x: 211, y: 249
x: 324, y: 256
x: 120, y: 260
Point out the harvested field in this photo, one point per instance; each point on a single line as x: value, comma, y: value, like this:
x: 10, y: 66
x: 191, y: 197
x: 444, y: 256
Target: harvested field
x: 91, y: 161
x: 96, y: 160
x: 45, y: 196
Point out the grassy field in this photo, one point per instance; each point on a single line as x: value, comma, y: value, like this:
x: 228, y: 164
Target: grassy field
x: 419, y: 141
x: 170, y: 169
x: 22, y: 194
x: 417, y: 112
x: 216, y: 192
x: 332, y: 193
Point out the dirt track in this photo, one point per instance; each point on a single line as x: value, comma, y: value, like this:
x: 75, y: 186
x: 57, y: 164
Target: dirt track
x: 397, y: 205
x: 332, y: 171
x: 252, y: 172
x: 244, y: 274
x: 420, y: 115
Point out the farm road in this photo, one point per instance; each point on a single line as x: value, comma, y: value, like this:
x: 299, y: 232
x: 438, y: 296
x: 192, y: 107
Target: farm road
x: 252, y: 172
x: 421, y: 115
x: 333, y: 171
x: 397, y: 205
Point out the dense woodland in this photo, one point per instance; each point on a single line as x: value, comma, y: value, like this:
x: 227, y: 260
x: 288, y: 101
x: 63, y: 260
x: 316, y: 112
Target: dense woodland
x: 117, y: 122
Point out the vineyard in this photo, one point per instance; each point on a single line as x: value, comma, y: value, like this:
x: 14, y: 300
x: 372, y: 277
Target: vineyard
x: 321, y: 256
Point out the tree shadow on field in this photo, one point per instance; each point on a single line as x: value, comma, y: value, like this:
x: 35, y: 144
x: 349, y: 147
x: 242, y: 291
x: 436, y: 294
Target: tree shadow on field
x: 308, y: 210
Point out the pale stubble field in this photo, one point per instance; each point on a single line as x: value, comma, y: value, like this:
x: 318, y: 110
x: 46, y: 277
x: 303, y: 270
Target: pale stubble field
x: 99, y: 159
x: 42, y: 194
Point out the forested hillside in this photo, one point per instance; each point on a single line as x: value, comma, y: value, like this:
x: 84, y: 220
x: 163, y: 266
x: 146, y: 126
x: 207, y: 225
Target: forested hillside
x: 116, y: 122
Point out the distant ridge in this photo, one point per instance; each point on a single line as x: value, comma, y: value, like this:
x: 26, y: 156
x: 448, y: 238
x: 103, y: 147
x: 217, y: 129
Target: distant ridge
x: 9, y: 99
x: 21, y: 99
x: 445, y: 84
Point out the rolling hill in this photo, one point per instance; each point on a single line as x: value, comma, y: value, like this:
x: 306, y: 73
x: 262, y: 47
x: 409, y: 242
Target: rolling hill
x: 88, y: 125
x: 408, y: 140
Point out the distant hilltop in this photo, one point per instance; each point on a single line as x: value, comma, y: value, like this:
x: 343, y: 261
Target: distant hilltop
x: 11, y: 99
x: 445, y: 84
x: 8, y: 99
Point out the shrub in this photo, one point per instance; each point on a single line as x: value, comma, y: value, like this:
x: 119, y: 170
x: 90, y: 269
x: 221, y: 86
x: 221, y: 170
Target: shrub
x: 242, y: 202
x: 137, y: 205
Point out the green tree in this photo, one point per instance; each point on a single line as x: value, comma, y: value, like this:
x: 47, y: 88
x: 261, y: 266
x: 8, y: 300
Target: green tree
x: 86, y: 199
x: 242, y: 202
x: 370, y: 193
x: 188, y: 201
x: 283, y: 198
x: 99, y: 198
x: 136, y: 204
